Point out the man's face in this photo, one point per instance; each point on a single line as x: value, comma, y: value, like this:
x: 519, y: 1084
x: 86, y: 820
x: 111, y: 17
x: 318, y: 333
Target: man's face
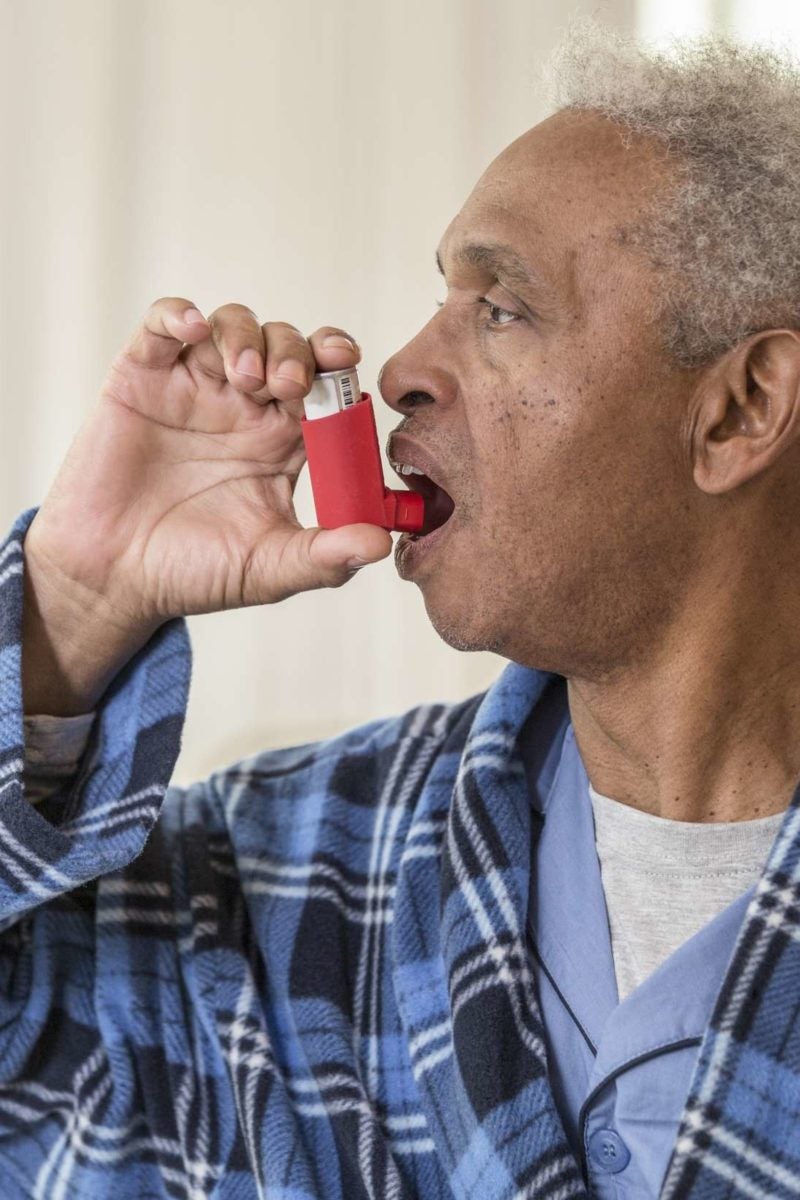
x: 538, y: 398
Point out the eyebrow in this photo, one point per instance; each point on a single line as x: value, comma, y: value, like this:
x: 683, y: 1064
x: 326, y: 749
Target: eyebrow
x: 498, y: 260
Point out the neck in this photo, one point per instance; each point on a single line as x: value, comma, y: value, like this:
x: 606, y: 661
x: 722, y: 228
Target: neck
x: 708, y: 727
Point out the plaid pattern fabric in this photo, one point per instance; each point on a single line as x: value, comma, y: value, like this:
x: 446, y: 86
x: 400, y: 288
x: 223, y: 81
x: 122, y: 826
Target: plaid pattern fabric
x: 307, y: 977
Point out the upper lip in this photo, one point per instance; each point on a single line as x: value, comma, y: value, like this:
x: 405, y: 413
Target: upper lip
x: 402, y: 449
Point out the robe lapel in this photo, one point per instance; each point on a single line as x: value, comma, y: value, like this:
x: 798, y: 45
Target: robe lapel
x: 740, y: 1131
x: 461, y: 972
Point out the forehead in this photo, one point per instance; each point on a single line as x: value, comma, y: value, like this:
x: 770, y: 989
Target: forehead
x: 565, y: 188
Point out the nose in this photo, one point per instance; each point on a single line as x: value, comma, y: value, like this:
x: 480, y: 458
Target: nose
x: 416, y: 375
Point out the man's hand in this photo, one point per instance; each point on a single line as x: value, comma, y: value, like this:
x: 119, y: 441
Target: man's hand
x: 176, y: 497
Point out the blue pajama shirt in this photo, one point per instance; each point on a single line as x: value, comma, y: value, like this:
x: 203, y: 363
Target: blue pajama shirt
x: 309, y: 977
x: 620, y: 1073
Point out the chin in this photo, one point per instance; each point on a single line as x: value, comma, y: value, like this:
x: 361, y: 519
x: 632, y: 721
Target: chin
x: 464, y: 630
x: 495, y: 631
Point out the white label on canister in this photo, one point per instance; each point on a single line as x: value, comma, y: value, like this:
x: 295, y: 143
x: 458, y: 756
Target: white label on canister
x: 331, y: 392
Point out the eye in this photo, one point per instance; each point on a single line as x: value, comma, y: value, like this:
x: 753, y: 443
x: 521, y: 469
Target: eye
x: 498, y: 315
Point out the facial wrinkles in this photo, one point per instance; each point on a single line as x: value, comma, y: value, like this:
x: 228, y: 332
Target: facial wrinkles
x: 527, y: 205
x: 544, y: 430
x: 565, y: 213
x: 500, y: 395
x: 487, y: 267
x: 486, y: 263
x: 522, y: 207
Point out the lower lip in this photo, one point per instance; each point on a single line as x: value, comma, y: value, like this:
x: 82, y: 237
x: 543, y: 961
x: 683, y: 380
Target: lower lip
x: 411, y: 552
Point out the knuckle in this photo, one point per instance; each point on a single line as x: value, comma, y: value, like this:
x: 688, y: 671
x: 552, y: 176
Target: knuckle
x: 232, y: 313
x: 234, y: 328
x: 160, y: 321
x: 284, y: 341
x: 282, y: 331
x: 334, y: 331
x: 171, y: 304
x: 327, y: 330
x: 284, y: 325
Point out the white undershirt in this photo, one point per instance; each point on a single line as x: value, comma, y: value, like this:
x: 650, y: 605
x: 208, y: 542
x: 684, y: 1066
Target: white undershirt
x: 664, y: 880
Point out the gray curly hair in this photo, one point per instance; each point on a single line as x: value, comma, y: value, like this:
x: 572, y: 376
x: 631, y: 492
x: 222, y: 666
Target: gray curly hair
x: 727, y: 237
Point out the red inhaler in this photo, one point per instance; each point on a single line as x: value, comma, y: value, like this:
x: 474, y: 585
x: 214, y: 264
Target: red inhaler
x: 344, y: 460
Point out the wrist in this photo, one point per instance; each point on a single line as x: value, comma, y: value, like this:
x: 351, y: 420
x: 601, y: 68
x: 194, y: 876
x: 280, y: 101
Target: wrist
x: 73, y: 642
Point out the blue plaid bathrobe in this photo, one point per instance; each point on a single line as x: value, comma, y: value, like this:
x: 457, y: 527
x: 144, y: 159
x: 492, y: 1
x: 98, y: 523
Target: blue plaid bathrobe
x: 308, y: 976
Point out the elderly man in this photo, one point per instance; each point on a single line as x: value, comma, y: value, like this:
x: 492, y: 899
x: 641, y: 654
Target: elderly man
x: 544, y: 943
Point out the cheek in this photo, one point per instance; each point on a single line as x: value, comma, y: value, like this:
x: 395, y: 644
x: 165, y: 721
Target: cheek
x: 577, y: 492
x: 524, y: 461
x: 556, y: 443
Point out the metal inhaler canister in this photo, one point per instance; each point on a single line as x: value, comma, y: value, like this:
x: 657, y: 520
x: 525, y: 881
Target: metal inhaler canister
x: 344, y: 460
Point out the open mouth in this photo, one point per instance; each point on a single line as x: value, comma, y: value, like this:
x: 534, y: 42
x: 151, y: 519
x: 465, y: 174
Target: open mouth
x: 439, y: 505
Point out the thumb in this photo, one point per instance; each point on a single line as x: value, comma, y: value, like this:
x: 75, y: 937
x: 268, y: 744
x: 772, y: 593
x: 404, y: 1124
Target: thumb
x: 344, y: 551
x: 303, y: 559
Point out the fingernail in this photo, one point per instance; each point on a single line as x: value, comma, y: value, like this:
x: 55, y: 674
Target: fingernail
x: 249, y: 363
x: 292, y: 370
x: 191, y: 316
x: 336, y: 341
x: 355, y: 564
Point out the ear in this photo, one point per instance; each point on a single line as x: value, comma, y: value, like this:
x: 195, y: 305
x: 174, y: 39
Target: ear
x: 747, y: 410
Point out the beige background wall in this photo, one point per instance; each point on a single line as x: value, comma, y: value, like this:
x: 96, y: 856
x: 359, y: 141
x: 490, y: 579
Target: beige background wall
x: 302, y: 158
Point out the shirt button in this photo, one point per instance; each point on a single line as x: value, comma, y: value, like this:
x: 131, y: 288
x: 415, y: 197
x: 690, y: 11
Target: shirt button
x: 608, y: 1152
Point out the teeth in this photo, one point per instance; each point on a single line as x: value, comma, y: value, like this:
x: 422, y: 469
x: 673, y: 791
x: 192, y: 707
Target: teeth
x: 406, y: 469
